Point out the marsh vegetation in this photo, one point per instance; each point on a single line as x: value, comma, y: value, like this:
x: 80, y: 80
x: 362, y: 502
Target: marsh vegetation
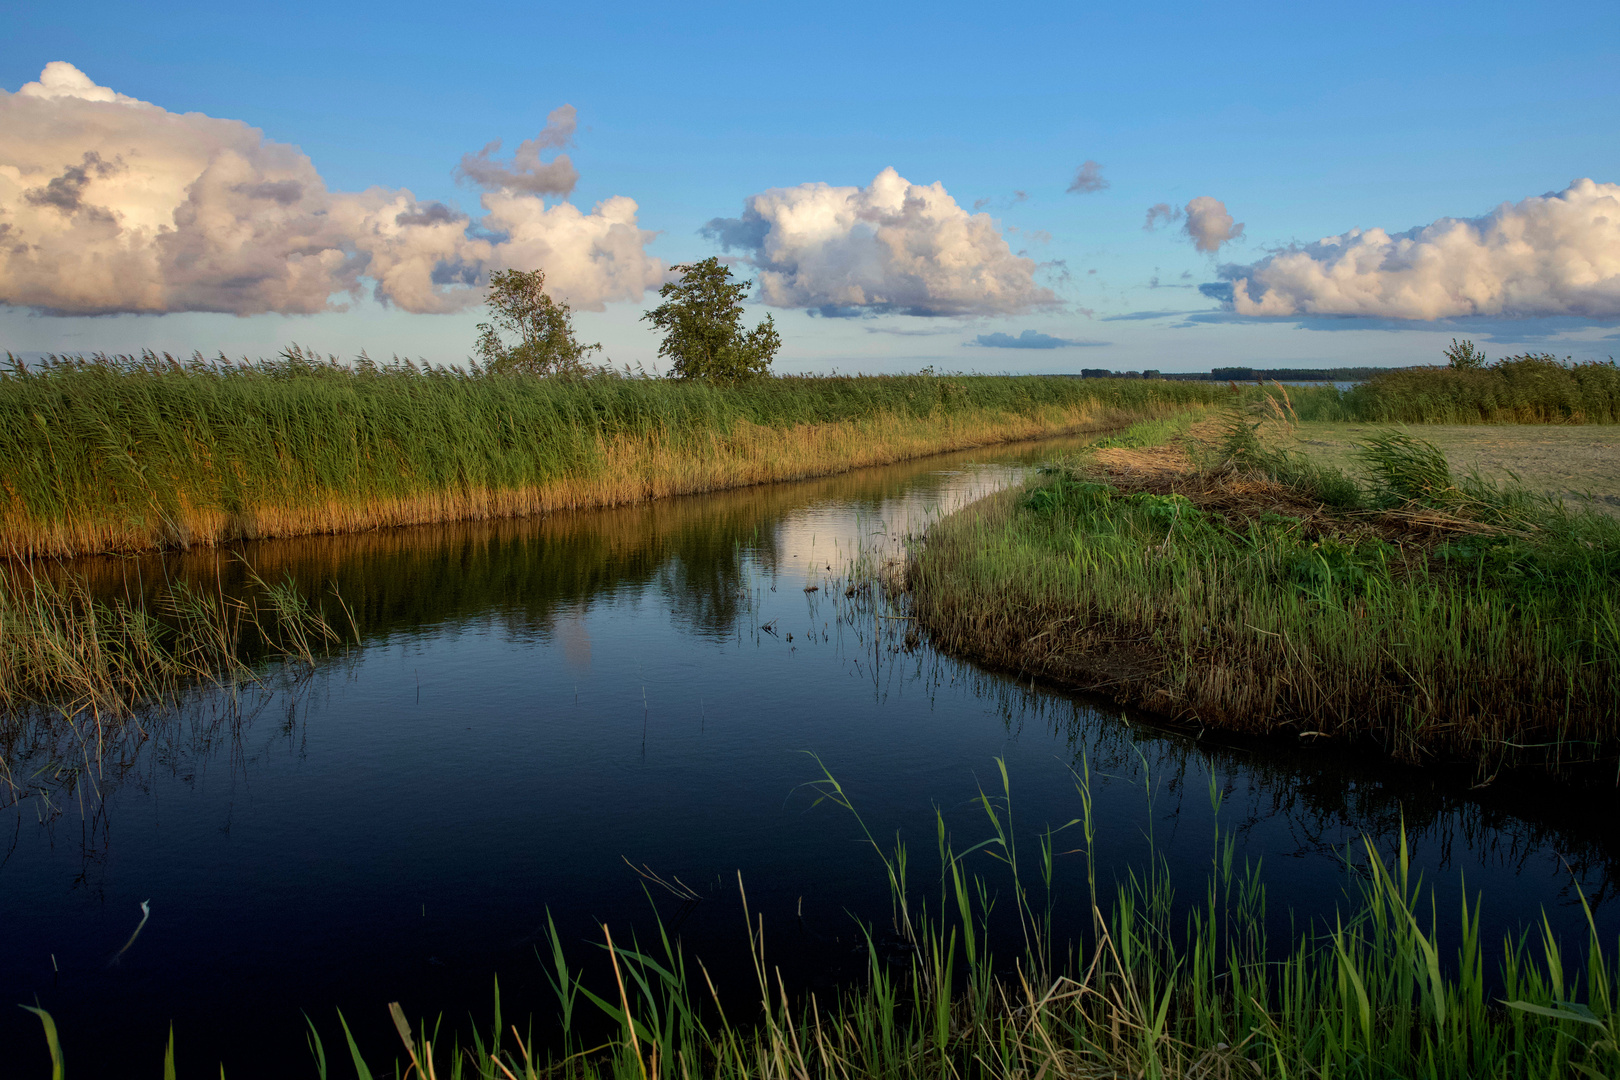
x: 136, y: 453
x: 86, y: 675
x: 1440, y: 618
x: 1437, y: 617
x: 1529, y: 388
x: 1087, y: 965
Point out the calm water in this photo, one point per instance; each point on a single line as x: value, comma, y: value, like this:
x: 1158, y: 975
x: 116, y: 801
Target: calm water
x: 539, y: 704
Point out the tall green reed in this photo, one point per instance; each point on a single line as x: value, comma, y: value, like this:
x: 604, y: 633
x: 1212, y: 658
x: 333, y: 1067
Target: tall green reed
x: 1534, y: 388
x: 108, y: 440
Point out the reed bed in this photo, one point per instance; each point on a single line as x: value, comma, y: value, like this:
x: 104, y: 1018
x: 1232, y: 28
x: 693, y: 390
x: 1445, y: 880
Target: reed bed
x: 125, y: 453
x: 1534, y: 388
x: 1437, y: 619
x: 979, y: 976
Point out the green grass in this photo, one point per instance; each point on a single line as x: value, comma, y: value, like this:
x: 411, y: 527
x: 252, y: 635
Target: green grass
x: 1154, y: 431
x: 1163, y: 979
x: 152, y: 447
x: 1438, y: 618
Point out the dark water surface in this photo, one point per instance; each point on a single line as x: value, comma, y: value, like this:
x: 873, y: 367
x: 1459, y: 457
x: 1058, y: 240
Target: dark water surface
x: 538, y: 702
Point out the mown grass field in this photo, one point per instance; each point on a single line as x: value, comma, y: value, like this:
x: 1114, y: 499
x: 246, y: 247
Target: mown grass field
x: 1574, y: 463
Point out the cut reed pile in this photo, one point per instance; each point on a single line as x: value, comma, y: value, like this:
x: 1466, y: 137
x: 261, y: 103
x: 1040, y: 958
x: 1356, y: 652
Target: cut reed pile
x: 1438, y: 619
x: 1155, y: 987
x: 135, y: 453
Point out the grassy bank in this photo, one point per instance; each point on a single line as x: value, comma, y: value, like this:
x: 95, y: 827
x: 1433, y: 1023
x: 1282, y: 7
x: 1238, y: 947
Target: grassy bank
x: 977, y: 976
x: 129, y: 454
x: 1436, y: 618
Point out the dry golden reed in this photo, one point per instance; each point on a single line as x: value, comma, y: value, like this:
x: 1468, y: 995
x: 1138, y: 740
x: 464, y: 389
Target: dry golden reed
x: 132, y: 454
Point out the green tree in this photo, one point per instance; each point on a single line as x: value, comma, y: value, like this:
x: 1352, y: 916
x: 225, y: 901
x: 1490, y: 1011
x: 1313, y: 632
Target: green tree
x: 1464, y: 356
x: 544, y: 328
x: 701, y: 318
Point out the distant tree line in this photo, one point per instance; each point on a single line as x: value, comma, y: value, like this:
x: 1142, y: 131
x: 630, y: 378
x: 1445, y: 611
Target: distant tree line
x: 1249, y: 374
x: 1104, y: 373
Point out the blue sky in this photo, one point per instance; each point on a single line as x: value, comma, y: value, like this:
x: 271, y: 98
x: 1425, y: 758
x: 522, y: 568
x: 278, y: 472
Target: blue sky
x: 1302, y: 123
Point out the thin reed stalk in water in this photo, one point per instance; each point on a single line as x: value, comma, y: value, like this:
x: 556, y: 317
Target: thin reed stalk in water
x: 81, y: 675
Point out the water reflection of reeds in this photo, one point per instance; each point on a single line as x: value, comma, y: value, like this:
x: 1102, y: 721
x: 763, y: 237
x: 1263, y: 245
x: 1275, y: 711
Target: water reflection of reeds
x: 524, y: 576
x: 522, y: 570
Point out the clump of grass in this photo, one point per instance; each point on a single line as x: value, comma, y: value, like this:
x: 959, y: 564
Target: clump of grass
x: 1408, y: 472
x: 64, y: 648
x: 1408, y: 469
x: 1142, y: 984
x: 1242, y: 448
x: 137, y: 452
x: 1439, y: 620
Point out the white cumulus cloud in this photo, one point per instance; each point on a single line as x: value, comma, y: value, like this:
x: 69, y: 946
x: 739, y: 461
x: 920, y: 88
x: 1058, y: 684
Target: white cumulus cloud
x: 890, y: 246
x: 1553, y: 254
x: 1209, y: 225
x: 110, y: 204
x: 1204, y: 220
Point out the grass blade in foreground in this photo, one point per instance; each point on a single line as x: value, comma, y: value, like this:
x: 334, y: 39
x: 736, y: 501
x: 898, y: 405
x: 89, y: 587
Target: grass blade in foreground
x: 1155, y: 989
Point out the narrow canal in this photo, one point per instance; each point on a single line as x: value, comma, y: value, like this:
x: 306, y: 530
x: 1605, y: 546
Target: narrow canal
x: 545, y: 713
